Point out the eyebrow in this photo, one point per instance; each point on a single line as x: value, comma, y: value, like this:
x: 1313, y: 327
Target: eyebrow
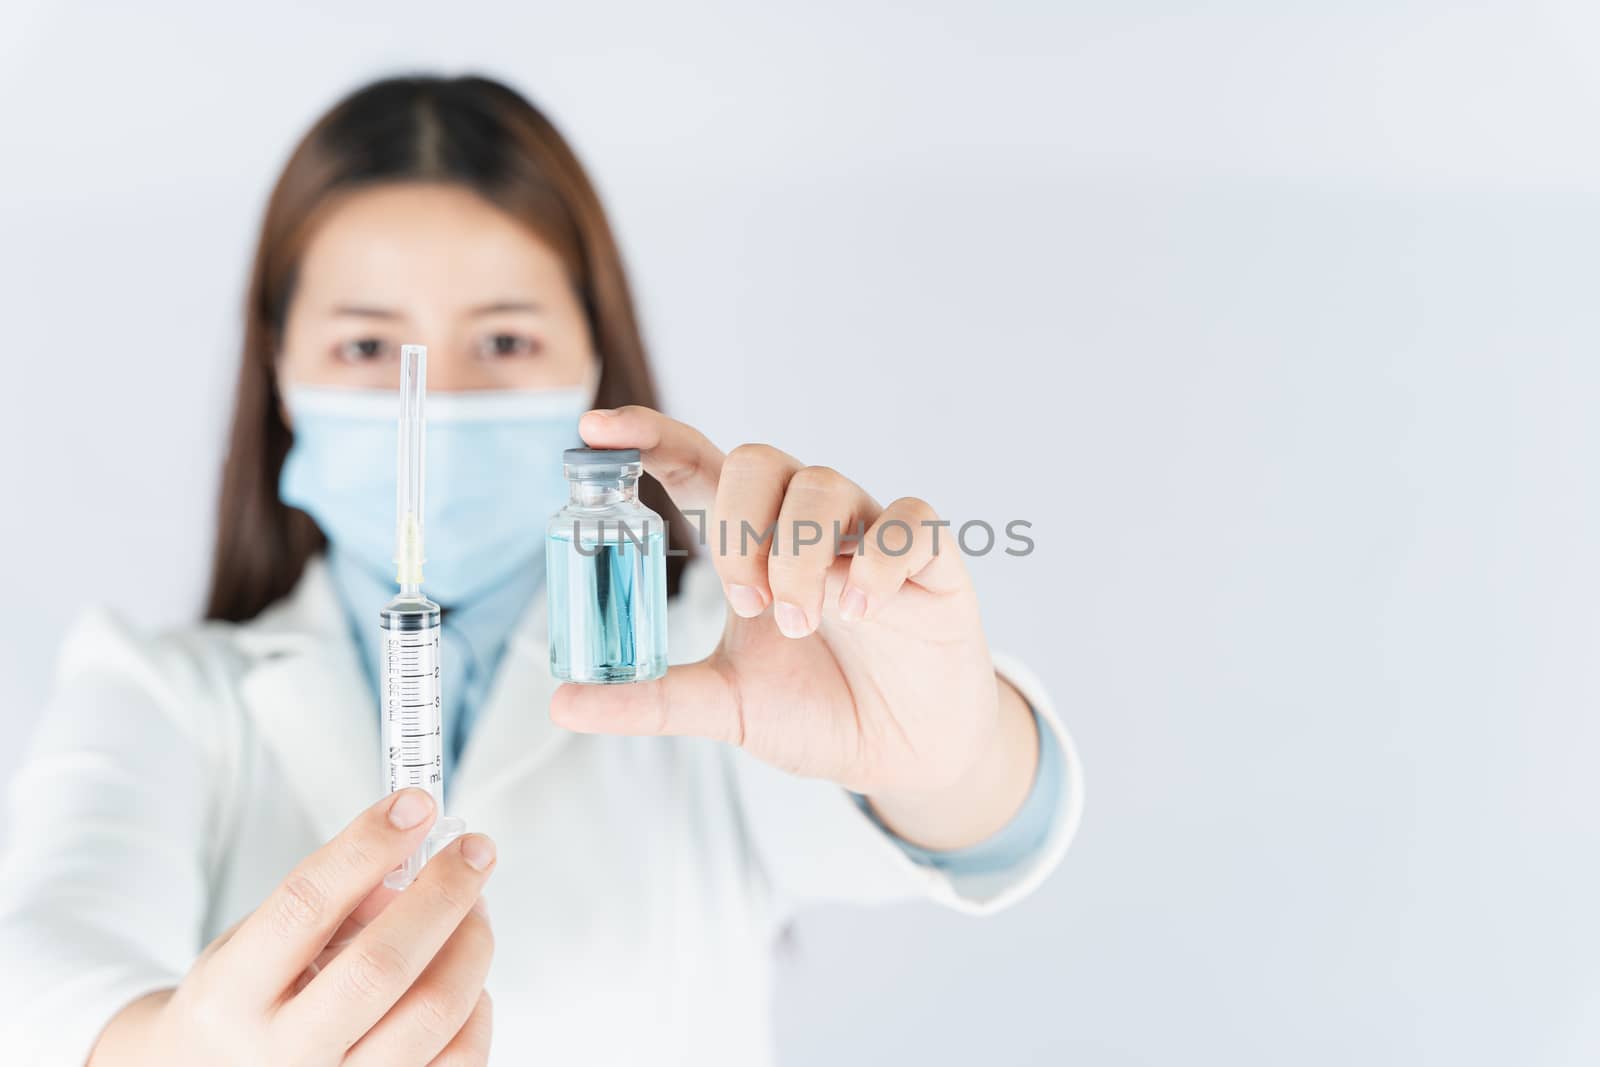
x: 505, y: 305
x: 366, y: 312
x: 387, y: 314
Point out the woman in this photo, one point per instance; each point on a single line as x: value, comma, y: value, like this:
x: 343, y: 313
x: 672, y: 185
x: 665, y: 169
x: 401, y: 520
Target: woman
x: 166, y: 898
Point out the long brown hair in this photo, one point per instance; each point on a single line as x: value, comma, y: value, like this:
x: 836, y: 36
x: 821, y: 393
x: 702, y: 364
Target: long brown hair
x: 471, y: 131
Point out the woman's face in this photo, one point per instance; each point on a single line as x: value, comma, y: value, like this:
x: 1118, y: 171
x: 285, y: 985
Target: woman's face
x: 436, y: 265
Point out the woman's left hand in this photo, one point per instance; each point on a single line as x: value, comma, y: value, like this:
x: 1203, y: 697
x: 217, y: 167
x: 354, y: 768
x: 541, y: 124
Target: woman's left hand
x: 867, y: 669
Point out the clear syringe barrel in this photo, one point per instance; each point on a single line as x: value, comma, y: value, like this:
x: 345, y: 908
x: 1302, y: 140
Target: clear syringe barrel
x: 413, y: 724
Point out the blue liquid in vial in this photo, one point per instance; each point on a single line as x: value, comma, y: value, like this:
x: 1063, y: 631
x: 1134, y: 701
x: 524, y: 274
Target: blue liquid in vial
x: 608, y: 607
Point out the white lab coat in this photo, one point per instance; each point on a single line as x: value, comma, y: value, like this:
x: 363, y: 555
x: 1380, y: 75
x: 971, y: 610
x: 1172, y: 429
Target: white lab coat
x: 641, y: 881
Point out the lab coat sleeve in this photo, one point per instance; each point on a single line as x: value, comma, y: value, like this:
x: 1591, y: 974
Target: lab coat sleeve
x: 103, y: 885
x: 815, y: 843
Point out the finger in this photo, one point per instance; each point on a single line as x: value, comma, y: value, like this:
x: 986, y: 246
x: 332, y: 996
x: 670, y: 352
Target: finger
x: 218, y: 941
x: 676, y: 454
x: 905, y: 543
x: 696, y: 699
x: 820, y: 509
x: 361, y: 984
x: 369, y: 908
x: 470, y: 1046
x: 353, y: 924
x: 436, y: 1006
x: 745, y: 523
x: 274, y: 944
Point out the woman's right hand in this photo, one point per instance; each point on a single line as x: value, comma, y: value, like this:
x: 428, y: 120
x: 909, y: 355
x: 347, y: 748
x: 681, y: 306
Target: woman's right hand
x: 335, y: 969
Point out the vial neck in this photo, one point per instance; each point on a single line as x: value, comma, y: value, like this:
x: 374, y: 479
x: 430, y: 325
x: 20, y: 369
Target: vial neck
x: 585, y: 494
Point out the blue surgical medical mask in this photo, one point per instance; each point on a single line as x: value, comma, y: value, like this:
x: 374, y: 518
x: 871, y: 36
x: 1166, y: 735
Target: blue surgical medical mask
x: 494, y: 478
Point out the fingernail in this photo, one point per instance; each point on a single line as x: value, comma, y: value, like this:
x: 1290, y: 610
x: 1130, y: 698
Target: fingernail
x: 478, y: 851
x: 853, y: 605
x: 603, y: 412
x: 409, y: 809
x: 746, y: 602
x: 791, y: 620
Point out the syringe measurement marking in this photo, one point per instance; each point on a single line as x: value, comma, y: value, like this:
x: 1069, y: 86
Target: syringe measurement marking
x: 407, y: 699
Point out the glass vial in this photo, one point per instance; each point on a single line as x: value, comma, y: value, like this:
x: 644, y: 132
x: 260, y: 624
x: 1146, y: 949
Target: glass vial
x: 606, y: 572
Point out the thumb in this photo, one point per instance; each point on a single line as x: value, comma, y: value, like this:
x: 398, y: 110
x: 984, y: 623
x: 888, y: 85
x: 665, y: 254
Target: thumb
x: 696, y: 699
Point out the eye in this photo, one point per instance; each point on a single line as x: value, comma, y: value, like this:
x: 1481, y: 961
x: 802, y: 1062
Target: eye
x: 365, y: 350
x: 507, y: 346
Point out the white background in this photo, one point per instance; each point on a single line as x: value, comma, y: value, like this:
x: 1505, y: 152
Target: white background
x: 1277, y: 320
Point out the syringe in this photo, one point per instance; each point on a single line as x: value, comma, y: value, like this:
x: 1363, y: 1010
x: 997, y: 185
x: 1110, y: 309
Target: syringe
x: 413, y: 735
